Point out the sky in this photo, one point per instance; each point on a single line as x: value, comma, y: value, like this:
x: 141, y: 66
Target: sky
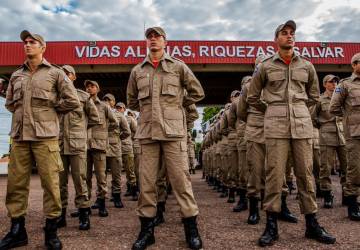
x: 317, y: 20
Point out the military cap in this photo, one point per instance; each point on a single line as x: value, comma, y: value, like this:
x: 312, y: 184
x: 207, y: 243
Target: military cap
x: 158, y: 30
x: 120, y: 105
x: 290, y: 23
x: 24, y: 34
x: 69, y: 69
x: 109, y: 96
x: 87, y: 82
x: 330, y: 78
x: 355, y: 58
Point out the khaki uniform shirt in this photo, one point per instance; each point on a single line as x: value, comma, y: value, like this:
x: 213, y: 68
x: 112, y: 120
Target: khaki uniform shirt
x: 346, y: 102
x: 254, y: 118
x: 73, y: 125
x: 36, y: 98
x: 127, y: 143
x: 98, y: 134
x: 159, y: 96
x: 116, y: 134
x: 331, y: 127
x: 289, y: 91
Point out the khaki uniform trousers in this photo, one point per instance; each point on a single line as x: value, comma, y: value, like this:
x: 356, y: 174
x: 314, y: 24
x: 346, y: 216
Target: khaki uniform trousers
x: 233, y: 173
x: 255, y: 157
x: 242, y: 164
x: 76, y: 164
x: 161, y: 183
x: 316, y: 164
x: 328, y: 157
x: 129, y: 166
x: 174, y: 154
x: 48, y: 161
x: 115, y: 166
x: 276, y: 157
x: 352, y: 185
x: 96, y: 159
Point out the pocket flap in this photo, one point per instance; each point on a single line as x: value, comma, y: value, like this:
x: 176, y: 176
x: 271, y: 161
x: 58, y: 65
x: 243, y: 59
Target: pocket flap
x: 300, y: 75
x: 301, y: 111
x: 276, y: 76
x: 276, y: 111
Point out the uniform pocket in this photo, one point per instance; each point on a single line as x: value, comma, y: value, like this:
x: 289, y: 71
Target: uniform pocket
x: 143, y: 85
x: 301, y: 111
x: 77, y: 141
x: 170, y: 84
x: 41, y: 98
x: 354, y: 124
x: 174, y: 122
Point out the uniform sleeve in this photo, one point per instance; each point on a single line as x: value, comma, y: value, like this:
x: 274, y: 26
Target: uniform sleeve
x: 232, y: 115
x: 9, y: 104
x: 191, y: 115
x: 312, y: 90
x: 69, y: 99
x: 224, y: 125
x: 125, y: 131
x: 255, y: 88
x: 195, y: 92
x: 133, y: 127
x: 132, y: 93
x: 92, y: 113
x: 111, y: 117
x: 338, y: 99
x: 242, y: 105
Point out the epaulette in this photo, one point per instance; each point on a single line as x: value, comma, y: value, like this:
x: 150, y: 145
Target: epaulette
x: 177, y: 59
x: 344, y: 79
x: 56, y: 66
x: 267, y: 57
x: 82, y: 92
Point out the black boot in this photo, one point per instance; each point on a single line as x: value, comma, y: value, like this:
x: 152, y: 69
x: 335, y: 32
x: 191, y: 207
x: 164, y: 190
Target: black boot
x: 96, y: 204
x: 128, y: 190
x: 84, y: 220
x: 270, y: 234
x: 160, y: 209
x: 75, y: 214
x: 314, y: 231
x: 285, y: 214
x: 224, y: 191
x: 216, y: 184
x: 210, y: 181
x: 117, y: 200
x: 192, y: 235
x: 220, y: 188
x: 353, y: 208
x: 146, y: 236
x: 254, y: 216
x: 328, y: 199
x: 344, y: 200
x: 134, y: 193
x: 102, y: 209
x: 231, y: 198
x: 17, y: 236
x: 291, y: 186
x: 242, y: 204
x: 169, y: 189
x: 62, y: 219
x: 319, y: 193
x: 52, y: 242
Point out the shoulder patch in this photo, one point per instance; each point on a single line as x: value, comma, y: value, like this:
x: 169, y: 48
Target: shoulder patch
x: 338, y: 89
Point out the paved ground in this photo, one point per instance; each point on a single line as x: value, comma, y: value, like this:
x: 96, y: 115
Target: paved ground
x: 219, y: 226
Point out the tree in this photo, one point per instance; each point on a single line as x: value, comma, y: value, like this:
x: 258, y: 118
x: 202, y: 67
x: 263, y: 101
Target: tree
x: 209, y: 112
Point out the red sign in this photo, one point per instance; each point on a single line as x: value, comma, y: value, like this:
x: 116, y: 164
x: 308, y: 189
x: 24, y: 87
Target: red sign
x: 192, y: 52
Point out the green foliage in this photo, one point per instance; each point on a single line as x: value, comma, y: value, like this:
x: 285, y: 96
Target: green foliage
x: 209, y: 112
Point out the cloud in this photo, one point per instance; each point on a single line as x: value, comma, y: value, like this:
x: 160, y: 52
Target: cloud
x: 183, y: 20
